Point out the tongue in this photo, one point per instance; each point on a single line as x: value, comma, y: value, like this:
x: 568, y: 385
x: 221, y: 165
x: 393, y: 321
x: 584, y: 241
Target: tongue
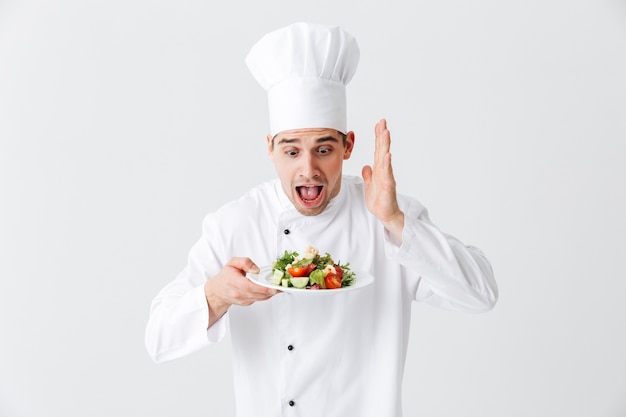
x: 309, y: 193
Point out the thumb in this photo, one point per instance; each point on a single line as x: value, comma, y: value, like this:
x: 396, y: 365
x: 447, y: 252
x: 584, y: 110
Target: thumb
x: 366, y: 173
x: 244, y: 264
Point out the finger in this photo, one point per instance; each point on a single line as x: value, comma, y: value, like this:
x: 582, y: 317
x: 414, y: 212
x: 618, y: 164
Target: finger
x: 242, y: 291
x: 387, y: 167
x: 383, y: 139
x: 385, y: 143
x: 376, y: 140
x: 378, y: 151
x: 381, y: 125
x: 260, y: 292
x: 243, y: 264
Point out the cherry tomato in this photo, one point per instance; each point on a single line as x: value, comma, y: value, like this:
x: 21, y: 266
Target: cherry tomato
x: 310, y: 268
x: 298, y: 271
x: 339, y: 272
x: 332, y: 281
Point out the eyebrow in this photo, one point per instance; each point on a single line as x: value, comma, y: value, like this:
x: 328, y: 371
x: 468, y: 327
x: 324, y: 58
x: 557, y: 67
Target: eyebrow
x: 319, y: 140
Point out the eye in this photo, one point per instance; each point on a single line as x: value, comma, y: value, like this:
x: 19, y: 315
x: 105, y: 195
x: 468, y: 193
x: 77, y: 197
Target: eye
x: 291, y: 152
x: 324, y: 150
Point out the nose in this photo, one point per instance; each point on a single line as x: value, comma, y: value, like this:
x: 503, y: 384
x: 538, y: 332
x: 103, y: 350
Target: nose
x: 308, y: 166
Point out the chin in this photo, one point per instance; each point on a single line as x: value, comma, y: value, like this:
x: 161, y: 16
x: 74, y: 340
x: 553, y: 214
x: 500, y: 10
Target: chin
x: 310, y: 211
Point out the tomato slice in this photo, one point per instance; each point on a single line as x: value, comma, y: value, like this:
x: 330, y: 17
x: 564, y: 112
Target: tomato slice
x: 298, y: 271
x: 310, y: 268
x: 332, y: 281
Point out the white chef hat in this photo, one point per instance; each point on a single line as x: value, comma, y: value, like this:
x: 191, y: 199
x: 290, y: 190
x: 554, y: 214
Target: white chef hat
x: 305, y: 68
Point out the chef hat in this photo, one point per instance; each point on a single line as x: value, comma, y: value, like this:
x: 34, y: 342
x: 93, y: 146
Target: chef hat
x: 305, y: 68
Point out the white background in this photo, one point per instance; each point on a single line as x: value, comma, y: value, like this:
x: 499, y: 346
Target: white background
x: 122, y: 123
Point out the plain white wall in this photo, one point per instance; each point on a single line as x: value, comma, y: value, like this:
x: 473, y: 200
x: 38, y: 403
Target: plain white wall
x: 122, y: 123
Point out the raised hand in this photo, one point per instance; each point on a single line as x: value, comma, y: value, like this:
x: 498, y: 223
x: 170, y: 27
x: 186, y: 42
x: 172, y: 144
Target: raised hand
x: 380, y: 184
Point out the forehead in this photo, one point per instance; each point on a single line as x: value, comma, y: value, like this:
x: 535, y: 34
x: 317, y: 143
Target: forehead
x: 302, y: 135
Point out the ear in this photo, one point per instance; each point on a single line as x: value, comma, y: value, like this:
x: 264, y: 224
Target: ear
x: 269, y: 145
x: 349, y: 145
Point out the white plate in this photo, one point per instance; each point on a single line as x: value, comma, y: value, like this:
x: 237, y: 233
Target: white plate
x: 362, y: 279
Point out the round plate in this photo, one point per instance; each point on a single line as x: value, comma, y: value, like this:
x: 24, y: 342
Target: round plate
x: 362, y: 279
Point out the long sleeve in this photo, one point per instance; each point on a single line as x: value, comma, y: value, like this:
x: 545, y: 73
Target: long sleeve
x: 452, y: 275
x: 179, y: 314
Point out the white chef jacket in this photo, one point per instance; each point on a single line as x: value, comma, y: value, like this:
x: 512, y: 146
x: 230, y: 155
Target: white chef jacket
x: 331, y: 355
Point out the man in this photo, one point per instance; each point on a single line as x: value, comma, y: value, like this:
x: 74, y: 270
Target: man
x: 341, y: 353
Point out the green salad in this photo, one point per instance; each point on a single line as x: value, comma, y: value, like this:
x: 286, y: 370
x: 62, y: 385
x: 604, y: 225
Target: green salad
x: 311, y: 271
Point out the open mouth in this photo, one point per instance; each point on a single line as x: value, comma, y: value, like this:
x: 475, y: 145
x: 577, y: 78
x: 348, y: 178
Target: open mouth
x: 309, y: 194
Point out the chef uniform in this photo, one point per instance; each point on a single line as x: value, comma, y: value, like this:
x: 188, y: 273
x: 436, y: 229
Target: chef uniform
x: 333, y: 353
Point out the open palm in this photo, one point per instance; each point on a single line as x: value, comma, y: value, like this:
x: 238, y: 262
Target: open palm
x: 380, y: 184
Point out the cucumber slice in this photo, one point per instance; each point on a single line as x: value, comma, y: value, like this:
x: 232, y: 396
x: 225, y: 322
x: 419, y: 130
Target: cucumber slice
x: 299, y: 282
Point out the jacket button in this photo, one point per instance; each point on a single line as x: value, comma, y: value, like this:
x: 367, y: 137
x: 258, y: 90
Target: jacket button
x: 286, y: 231
x: 292, y: 403
x: 290, y: 347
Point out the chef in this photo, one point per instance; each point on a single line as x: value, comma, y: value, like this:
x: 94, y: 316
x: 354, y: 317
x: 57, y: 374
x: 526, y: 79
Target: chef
x: 332, y: 354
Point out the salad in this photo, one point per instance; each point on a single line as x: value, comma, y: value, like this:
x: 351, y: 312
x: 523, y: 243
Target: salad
x: 311, y: 271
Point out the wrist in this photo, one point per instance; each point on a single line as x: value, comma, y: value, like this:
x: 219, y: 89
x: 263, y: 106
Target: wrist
x: 395, y: 226
x: 216, y: 305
